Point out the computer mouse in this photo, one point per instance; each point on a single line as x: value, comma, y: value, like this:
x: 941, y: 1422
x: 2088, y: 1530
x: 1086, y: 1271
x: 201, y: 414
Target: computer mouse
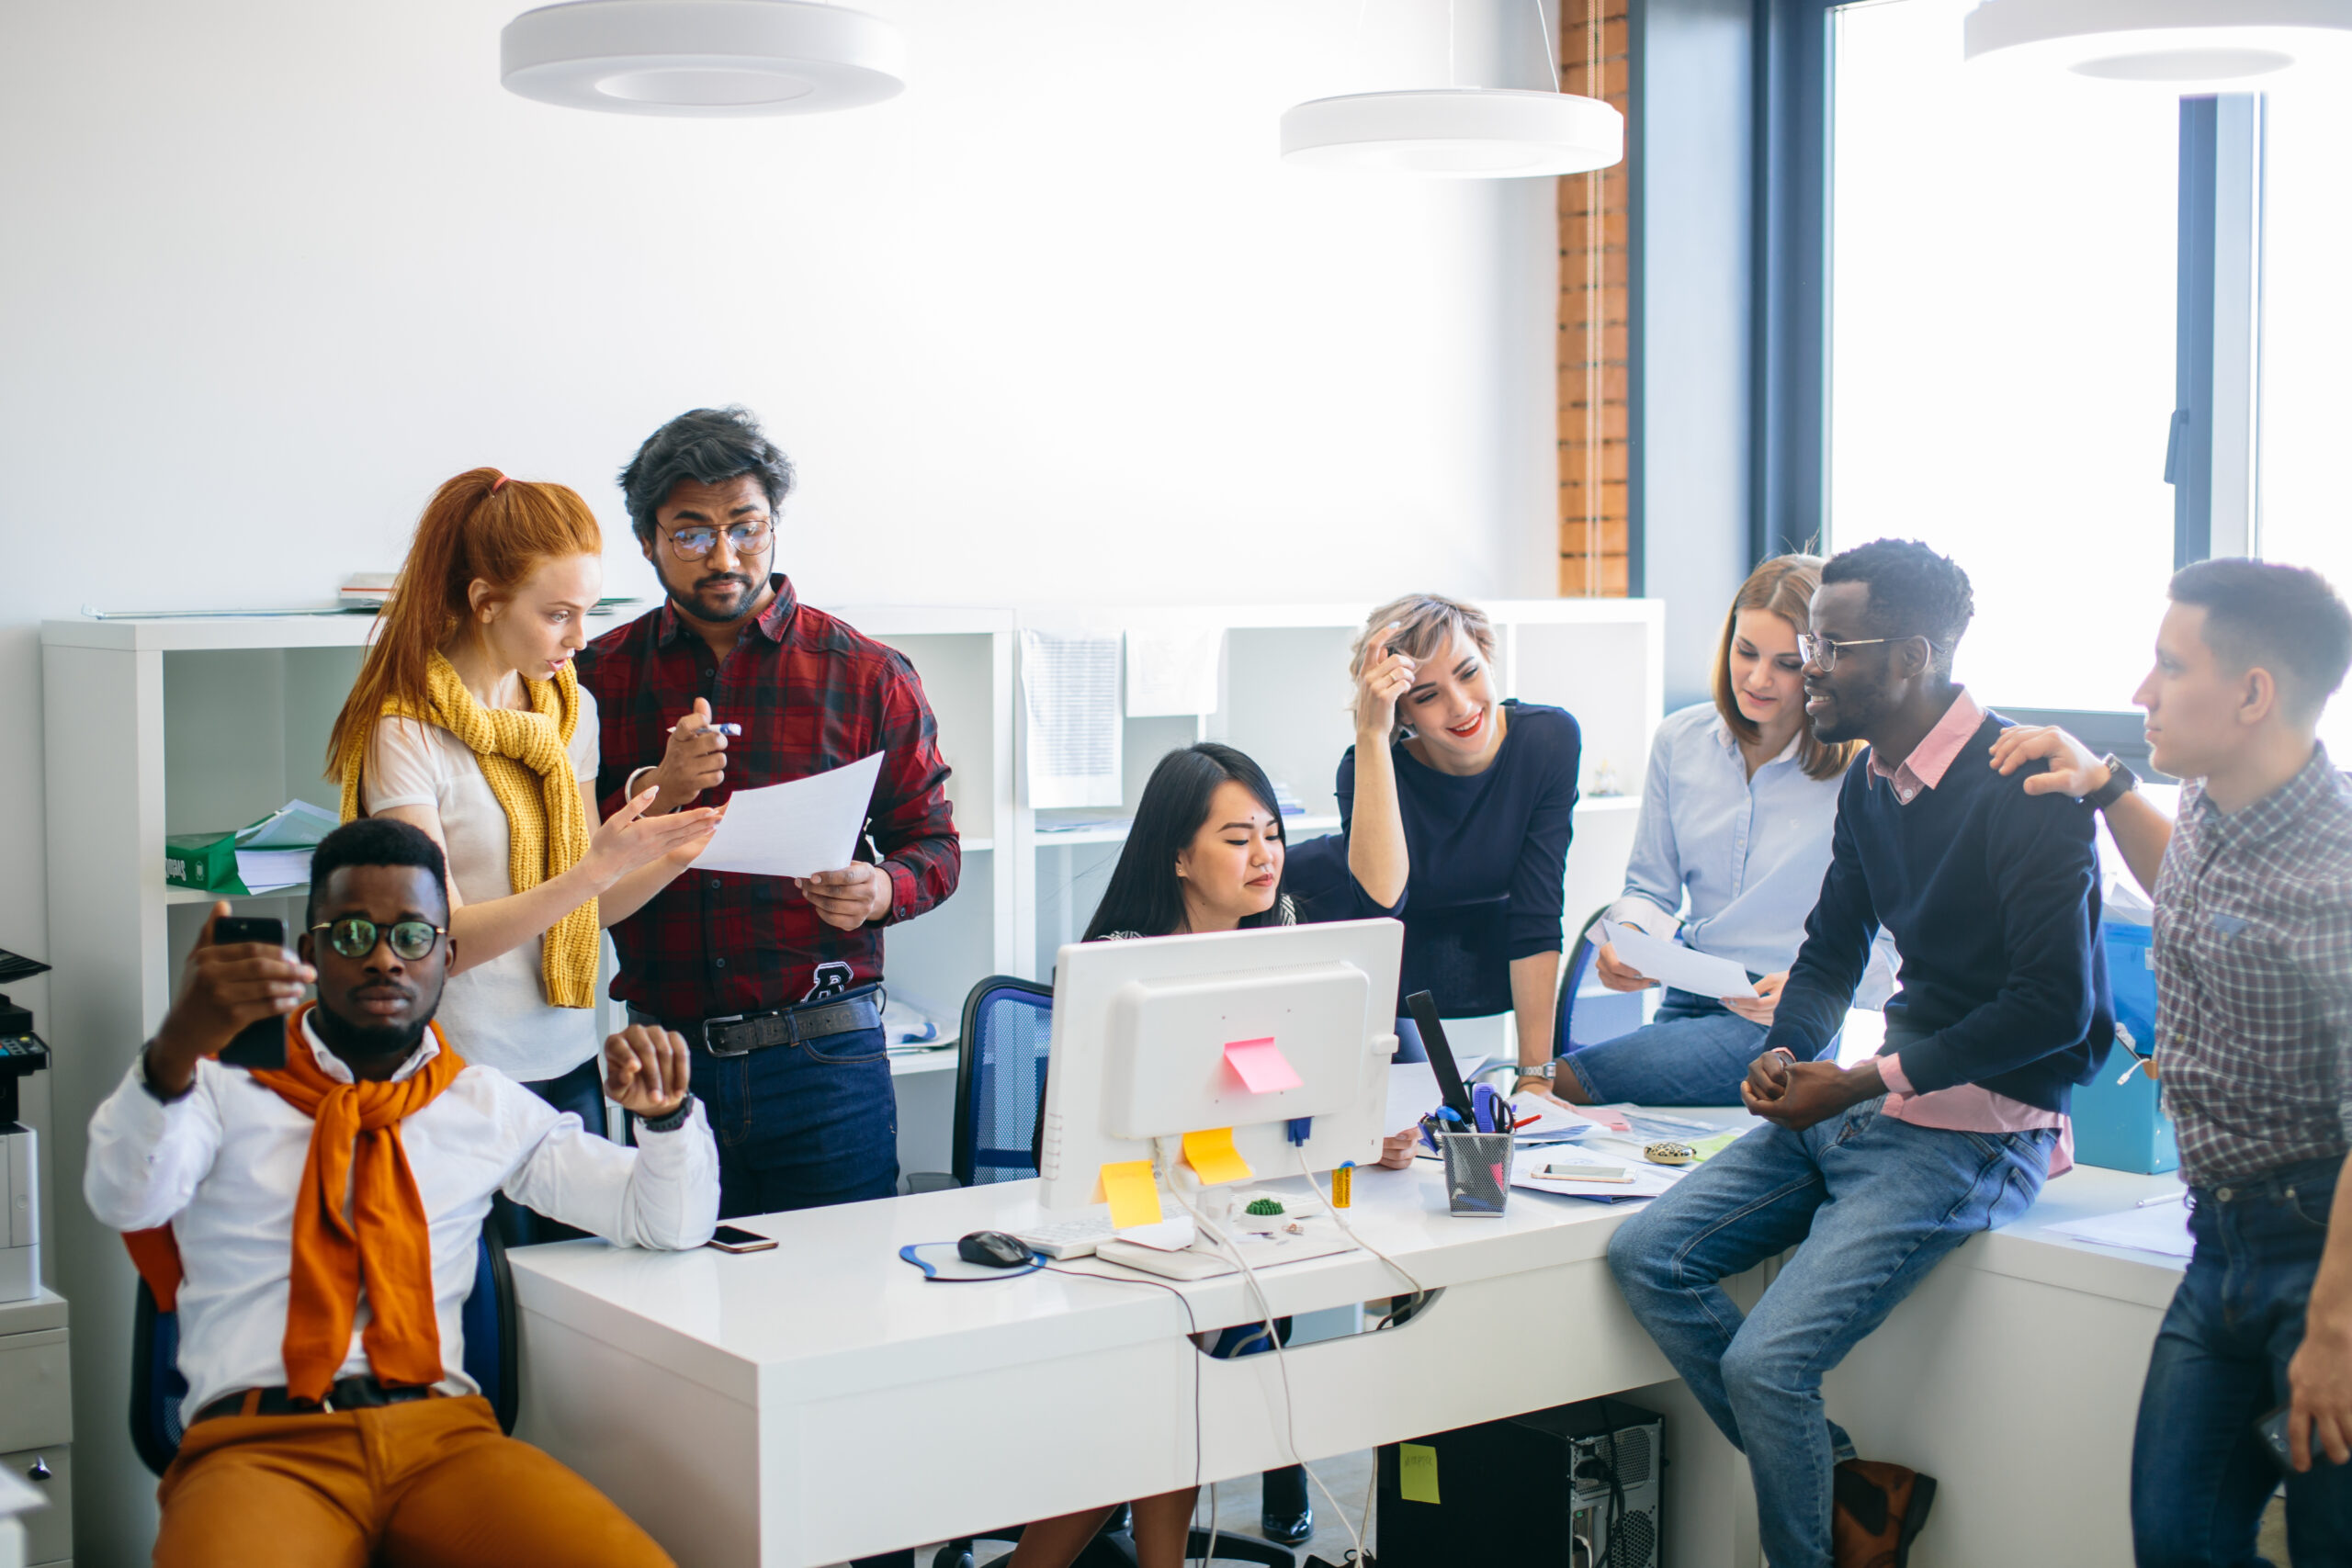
x: 994, y: 1250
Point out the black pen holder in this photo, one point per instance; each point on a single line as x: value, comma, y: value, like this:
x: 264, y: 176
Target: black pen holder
x: 1477, y: 1172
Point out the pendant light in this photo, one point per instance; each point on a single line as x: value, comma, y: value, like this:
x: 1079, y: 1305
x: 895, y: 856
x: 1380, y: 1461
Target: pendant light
x: 2180, y: 46
x: 702, y: 58
x: 1458, y: 132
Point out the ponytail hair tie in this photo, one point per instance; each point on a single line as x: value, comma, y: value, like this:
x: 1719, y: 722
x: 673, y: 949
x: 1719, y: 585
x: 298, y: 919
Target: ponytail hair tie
x: 497, y: 484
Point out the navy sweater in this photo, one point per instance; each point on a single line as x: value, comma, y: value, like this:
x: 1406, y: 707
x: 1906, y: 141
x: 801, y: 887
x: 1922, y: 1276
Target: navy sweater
x: 1490, y: 853
x: 1993, y: 897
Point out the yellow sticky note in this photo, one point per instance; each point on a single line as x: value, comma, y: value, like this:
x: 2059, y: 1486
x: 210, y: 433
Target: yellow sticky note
x: 1212, y: 1156
x: 1135, y: 1201
x: 1417, y: 1472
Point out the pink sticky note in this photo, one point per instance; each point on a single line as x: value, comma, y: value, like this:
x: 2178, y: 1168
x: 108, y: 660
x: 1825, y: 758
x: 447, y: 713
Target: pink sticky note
x: 1261, y: 1065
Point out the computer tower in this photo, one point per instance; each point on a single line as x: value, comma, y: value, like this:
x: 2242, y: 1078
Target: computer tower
x: 1578, y: 1486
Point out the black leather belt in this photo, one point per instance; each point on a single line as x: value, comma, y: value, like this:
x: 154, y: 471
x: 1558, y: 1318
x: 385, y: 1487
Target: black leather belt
x: 348, y: 1393
x: 747, y: 1031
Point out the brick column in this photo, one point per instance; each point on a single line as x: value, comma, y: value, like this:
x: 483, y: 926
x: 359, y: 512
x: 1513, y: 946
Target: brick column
x: 1594, y: 313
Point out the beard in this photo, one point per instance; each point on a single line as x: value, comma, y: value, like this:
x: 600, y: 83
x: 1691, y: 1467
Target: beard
x: 1848, y: 719
x: 360, y: 1042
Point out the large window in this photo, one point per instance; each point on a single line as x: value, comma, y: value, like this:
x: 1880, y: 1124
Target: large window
x: 2002, y: 378
x: 2306, y: 409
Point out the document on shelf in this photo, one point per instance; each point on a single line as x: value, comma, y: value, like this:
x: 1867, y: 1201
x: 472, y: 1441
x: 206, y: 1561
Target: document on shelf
x: 1671, y: 964
x: 1070, y: 714
x: 2162, y: 1229
x: 1171, y: 671
x: 795, y: 828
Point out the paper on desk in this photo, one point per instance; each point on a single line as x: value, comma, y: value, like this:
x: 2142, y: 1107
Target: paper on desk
x: 1070, y: 713
x: 1169, y: 1235
x: 1671, y: 964
x: 1413, y: 1091
x: 1171, y: 671
x: 2162, y: 1229
x: 795, y: 828
x: 1648, y: 1180
x: 1553, y: 1124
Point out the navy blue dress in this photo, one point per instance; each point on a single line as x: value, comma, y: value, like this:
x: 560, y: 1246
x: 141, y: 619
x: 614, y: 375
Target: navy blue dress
x: 1490, y: 855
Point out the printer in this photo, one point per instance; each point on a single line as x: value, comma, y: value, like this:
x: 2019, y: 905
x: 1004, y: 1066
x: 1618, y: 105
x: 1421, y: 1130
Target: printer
x: 21, y: 1053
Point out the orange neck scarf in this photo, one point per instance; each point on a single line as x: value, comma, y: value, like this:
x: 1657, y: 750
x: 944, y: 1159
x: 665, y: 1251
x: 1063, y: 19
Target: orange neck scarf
x: 354, y: 1148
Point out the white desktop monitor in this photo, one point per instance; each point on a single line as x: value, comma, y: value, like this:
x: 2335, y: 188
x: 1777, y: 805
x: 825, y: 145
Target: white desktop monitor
x: 1139, y: 1037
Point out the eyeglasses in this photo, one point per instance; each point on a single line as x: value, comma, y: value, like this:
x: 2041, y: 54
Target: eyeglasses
x: 743, y: 538
x: 354, y: 938
x: 1823, y: 652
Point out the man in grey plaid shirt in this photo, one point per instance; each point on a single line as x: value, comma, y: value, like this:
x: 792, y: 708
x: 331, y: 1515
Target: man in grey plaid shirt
x: 2253, y: 889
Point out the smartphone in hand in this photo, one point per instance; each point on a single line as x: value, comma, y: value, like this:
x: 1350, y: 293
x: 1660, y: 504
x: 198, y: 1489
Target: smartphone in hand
x: 261, y: 1044
x: 2273, y: 1431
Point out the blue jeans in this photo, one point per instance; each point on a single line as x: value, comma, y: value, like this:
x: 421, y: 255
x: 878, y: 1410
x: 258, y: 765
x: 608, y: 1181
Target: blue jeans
x: 800, y: 1125
x: 1871, y: 1204
x: 1695, y: 1052
x: 2200, y: 1476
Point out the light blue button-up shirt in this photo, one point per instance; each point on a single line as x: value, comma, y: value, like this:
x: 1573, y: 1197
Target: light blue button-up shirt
x: 1747, y: 854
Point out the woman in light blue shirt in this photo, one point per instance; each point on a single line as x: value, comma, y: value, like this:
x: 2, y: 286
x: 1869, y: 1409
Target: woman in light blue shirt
x: 1735, y: 820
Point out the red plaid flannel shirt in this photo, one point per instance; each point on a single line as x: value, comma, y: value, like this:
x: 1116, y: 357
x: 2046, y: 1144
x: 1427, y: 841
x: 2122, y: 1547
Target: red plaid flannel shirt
x: 811, y: 694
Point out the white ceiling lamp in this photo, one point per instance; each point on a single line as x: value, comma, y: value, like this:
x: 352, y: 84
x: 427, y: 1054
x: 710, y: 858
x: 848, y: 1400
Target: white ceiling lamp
x: 2181, y: 46
x: 1458, y: 132
x: 702, y: 58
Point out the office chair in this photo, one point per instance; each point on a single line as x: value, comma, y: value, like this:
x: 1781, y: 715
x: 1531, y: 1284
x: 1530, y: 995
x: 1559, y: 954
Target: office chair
x: 1000, y: 1060
x: 491, y: 1356
x: 1579, y: 962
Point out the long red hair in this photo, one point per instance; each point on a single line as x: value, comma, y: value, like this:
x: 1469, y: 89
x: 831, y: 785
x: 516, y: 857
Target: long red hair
x: 480, y: 526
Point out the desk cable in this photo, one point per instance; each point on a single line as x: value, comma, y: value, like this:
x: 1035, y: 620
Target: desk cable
x: 1192, y: 1328
x: 1395, y: 1314
x: 1164, y: 1156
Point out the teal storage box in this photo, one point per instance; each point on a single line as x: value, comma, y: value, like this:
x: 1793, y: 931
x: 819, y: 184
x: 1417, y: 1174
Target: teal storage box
x: 2123, y: 1126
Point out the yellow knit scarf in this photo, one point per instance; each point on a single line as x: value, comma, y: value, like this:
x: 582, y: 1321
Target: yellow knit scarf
x: 527, y: 759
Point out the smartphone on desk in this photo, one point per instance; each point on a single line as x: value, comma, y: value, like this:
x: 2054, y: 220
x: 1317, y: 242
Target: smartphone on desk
x: 735, y: 1238
x: 261, y: 1044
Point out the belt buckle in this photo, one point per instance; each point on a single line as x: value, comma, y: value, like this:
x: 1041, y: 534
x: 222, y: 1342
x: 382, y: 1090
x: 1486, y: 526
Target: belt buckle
x: 713, y: 1047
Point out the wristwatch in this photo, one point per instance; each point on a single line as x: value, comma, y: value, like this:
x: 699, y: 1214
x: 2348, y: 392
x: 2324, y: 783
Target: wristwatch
x: 1548, y: 1070
x: 2121, y: 781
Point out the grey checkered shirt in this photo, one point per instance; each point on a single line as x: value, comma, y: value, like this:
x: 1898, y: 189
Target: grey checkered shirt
x: 2254, y: 977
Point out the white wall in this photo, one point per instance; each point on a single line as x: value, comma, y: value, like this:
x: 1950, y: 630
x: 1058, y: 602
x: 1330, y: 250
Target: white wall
x: 1056, y: 324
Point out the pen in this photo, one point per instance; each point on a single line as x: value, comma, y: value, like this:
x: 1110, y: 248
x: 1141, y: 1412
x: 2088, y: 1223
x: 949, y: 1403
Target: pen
x: 2161, y: 1198
x: 732, y: 730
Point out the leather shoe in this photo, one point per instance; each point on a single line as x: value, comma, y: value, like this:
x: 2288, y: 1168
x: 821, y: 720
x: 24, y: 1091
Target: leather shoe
x: 1880, y: 1509
x: 1286, y: 1515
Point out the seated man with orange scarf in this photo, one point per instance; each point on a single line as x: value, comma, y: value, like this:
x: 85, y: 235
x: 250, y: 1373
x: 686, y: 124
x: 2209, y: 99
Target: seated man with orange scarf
x: 330, y: 1421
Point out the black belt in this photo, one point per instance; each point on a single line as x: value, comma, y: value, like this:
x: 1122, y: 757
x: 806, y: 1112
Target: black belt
x: 348, y: 1393
x: 743, y: 1032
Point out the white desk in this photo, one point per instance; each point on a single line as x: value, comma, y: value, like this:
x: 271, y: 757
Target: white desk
x: 823, y: 1401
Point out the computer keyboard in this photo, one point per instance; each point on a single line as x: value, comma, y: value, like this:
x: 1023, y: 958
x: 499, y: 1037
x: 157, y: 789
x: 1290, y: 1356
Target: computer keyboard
x: 1067, y: 1238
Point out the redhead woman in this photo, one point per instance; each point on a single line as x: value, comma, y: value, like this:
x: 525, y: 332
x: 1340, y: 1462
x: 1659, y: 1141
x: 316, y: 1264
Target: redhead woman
x: 1730, y: 850
x: 468, y: 722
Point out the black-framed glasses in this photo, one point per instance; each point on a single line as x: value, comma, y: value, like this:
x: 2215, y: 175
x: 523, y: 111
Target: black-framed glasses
x: 1823, y: 652
x: 695, y: 541
x: 356, y: 938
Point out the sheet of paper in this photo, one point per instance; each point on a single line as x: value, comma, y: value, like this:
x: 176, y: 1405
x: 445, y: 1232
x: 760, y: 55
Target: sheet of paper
x: 1260, y: 1066
x: 298, y: 825
x: 1070, y: 711
x: 1553, y: 1124
x: 1171, y: 671
x: 1672, y: 964
x: 1214, y: 1158
x: 1167, y: 1235
x: 1417, y: 1472
x: 1413, y: 1091
x: 1708, y: 1148
x: 2161, y: 1228
x: 795, y: 828
x: 1134, y: 1199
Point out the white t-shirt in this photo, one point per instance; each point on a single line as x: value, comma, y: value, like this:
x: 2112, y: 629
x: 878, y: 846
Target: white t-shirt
x: 496, y: 1013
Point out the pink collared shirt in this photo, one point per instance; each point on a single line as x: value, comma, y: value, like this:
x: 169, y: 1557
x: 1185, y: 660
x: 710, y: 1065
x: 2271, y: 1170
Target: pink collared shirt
x: 1964, y: 1108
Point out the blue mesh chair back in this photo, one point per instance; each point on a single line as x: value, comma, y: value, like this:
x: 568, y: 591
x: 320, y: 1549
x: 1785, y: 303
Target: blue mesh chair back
x: 1579, y: 960
x: 1008, y: 1025
x: 157, y: 1388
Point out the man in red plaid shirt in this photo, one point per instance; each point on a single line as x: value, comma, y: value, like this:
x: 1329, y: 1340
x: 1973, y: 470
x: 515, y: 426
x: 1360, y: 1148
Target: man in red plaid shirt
x: 731, y: 685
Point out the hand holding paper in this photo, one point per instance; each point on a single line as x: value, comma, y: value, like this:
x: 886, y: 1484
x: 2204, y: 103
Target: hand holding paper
x: 795, y: 828
x: 1675, y: 964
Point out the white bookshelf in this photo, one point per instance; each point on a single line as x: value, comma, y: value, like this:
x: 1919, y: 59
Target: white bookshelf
x: 157, y: 727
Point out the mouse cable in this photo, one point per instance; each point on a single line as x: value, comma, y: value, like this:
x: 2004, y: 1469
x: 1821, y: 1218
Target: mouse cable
x: 1232, y: 1249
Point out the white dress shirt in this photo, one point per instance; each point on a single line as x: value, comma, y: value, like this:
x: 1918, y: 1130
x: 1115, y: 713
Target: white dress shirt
x: 223, y: 1162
